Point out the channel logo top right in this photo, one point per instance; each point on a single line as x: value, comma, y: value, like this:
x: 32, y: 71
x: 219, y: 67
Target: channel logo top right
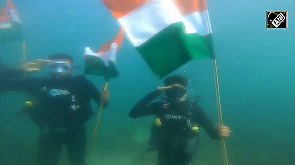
x: 276, y: 19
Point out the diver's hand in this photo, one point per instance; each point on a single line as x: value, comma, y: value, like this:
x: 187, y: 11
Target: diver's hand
x: 34, y: 66
x: 164, y: 88
x: 105, y: 97
x: 224, y: 131
x: 169, y: 87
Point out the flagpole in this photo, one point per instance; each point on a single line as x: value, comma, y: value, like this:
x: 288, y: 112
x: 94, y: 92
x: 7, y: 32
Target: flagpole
x: 24, y: 47
x: 219, y: 106
x: 99, y: 115
x: 216, y: 78
x: 100, y: 111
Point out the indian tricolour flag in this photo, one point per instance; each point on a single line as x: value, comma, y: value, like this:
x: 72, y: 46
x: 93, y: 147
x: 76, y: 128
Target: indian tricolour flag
x: 167, y: 33
x: 103, y: 61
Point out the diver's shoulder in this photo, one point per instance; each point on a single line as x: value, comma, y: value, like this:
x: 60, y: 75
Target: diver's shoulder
x: 193, y: 104
x: 191, y: 101
x: 81, y: 79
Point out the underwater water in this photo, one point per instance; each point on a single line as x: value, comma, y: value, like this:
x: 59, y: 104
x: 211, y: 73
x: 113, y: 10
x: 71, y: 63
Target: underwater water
x: 256, y: 72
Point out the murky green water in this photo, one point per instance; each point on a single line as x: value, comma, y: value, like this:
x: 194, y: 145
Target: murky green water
x: 256, y: 71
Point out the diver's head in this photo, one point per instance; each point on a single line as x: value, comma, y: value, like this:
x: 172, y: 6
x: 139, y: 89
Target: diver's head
x: 61, y: 65
x: 178, y: 83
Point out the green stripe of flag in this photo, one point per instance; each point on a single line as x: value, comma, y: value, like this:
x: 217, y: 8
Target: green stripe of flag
x: 172, y: 47
x: 11, y: 34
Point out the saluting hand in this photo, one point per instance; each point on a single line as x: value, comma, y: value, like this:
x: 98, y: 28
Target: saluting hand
x: 34, y: 66
x: 169, y: 87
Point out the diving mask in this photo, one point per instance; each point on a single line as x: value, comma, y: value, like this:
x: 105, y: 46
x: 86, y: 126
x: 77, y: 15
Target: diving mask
x: 60, y: 67
x: 176, y: 91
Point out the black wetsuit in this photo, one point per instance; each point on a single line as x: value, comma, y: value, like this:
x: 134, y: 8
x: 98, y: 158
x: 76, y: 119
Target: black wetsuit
x: 7, y: 72
x: 64, y: 106
x: 174, y: 140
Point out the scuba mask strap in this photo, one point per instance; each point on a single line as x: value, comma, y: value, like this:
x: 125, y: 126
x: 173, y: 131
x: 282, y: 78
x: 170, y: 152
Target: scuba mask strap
x: 183, y: 98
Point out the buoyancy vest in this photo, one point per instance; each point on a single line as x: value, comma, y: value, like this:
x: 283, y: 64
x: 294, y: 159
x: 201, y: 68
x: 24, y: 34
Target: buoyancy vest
x: 174, y: 122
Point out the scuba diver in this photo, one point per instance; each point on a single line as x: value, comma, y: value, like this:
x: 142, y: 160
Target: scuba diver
x: 61, y: 107
x: 175, y: 131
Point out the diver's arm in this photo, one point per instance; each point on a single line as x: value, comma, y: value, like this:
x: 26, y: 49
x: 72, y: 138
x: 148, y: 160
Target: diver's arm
x: 7, y: 72
x: 25, y: 85
x: 200, y: 117
x: 93, y: 92
x: 143, y: 108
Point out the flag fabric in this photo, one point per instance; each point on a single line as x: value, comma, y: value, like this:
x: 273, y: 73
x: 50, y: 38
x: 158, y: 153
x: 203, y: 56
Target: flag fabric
x: 10, y: 24
x: 167, y: 33
x: 103, y: 62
